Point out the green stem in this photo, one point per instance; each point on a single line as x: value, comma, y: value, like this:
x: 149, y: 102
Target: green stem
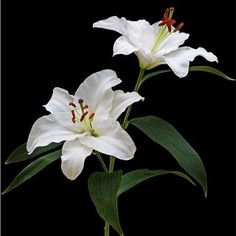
x: 111, y: 164
x: 101, y: 161
x: 107, y: 229
x: 125, y: 126
x: 111, y: 168
x: 136, y: 88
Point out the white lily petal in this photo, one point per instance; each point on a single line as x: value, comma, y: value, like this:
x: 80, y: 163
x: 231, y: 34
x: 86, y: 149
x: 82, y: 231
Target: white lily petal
x: 97, y: 93
x: 156, y: 27
x: 148, y: 60
x: 123, y: 26
x: 135, y: 30
x: 73, y: 156
x: 137, y: 33
x: 55, y: 127
x: 172, y: 42
x: 146, y: 39
x: 111, y: 140
x: 59, y: 101
x: 122, y: 46
x: 121, y: 101
x: 179, y: 60
x: 112, y: 23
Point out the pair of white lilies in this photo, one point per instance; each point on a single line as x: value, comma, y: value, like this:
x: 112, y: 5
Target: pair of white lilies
x: 87, y: 121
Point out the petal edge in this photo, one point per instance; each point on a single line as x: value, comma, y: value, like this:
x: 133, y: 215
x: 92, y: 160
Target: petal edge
x: 73, y: 156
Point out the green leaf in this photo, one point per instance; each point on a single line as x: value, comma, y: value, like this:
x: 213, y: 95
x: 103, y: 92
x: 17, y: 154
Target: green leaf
x: 103, y: 188
x: 168, y: 137
x: 21, y: 154
x: 211, y: 70
x: 32, y: 169
x: 133, y: 178
x: 207, y: 69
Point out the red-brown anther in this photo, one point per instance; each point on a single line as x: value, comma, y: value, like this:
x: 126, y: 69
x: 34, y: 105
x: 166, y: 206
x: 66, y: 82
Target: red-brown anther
x: 91, y: 116
x: 168, y: 23
x: 166, y: 14
x: 73, y: 116
x: 86, y: 106
x: 166, y: 20
x: 83, y: 116
x: 72, y: 104
x: 179, y: 27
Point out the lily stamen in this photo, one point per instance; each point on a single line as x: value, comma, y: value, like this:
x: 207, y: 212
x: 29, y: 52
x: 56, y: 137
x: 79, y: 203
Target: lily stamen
x: 85, y: 106
x: 179, y: 27
x: 165, y: 29
x: 166, y: 14
x: 166, y: 20
x: 73, y: 116
x: 72, y: 104
x: 91, y: 116
x: 83, y: 116
x: 168, y: 23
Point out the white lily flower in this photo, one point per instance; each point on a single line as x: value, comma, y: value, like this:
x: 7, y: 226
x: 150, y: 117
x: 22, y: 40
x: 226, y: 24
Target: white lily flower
x: 154, y: 44
x: 86, y: 121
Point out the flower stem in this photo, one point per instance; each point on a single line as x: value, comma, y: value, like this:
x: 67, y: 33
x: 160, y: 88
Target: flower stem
x: 125, y: 126
x: 107, y: 229
x: 111, y: 164
x: 136, y: 88
x: 101, y: 161
x: 111, y: 168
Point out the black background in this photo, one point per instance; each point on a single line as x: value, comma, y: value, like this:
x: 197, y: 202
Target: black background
x: 51, y: 43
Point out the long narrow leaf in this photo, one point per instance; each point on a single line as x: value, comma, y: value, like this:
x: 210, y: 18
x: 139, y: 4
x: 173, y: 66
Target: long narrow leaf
x: 103, y: 188
x: 133, y: 178
x: 211, y: 70
x: 207, y: 69
x: 168, y: 137
x: 32, y: 169
x: 21, y: 154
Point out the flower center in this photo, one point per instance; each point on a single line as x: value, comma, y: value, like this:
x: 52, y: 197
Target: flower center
x: 80, y: 114
x: 165, y: 28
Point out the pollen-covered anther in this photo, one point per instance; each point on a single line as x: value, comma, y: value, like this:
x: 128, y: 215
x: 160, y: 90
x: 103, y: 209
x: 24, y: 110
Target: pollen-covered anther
x: 72, y: 104
x: 91, y: 116
x: 73, y: 116
x: 166, y: 14
x: 83, y: 116
x: 168, y: 23
x: 85, y: 106
x: 166, y: 20
x: 179, y: 27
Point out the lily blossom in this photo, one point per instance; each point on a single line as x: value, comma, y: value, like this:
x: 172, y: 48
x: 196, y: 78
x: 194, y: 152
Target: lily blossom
x: 86, y: 121
x: 154, y: 44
